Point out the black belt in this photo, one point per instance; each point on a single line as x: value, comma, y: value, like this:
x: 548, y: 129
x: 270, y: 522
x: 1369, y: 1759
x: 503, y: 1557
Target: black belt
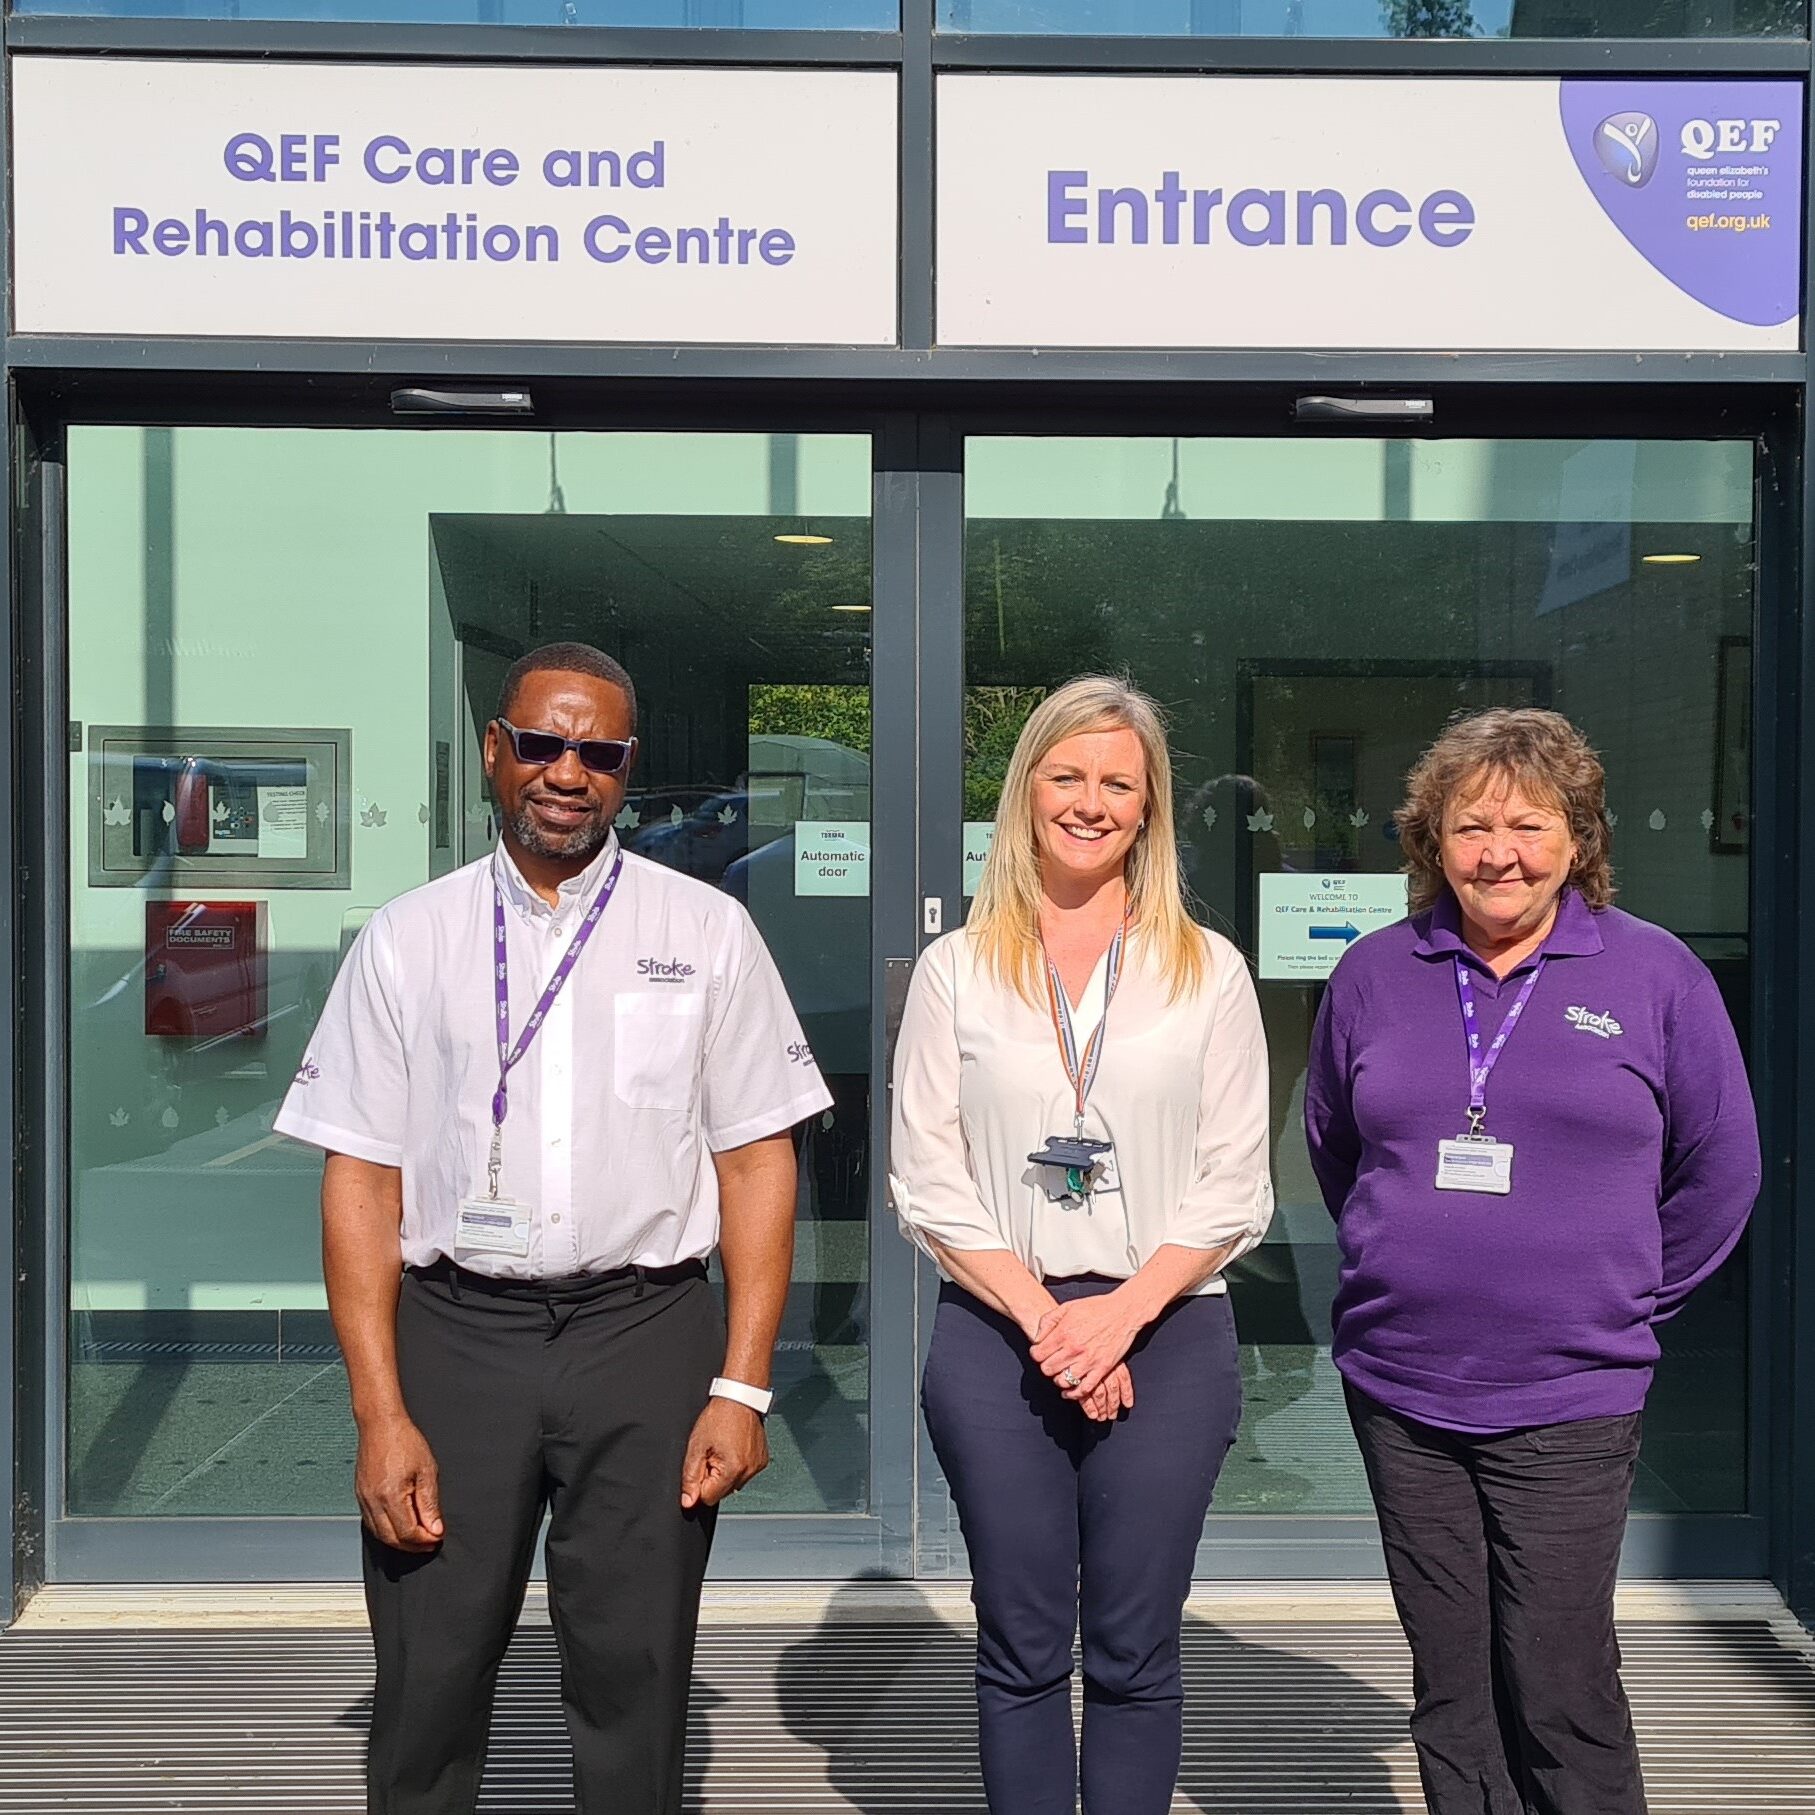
x: 561, y: 1285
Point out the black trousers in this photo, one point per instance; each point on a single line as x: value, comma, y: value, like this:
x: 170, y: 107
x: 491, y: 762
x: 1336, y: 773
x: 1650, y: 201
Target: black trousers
x: 573, y: 1398
x: 1502, y: 1551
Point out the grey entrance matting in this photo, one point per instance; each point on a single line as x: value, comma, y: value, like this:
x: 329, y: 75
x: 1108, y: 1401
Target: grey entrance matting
x: 1292, y: 1718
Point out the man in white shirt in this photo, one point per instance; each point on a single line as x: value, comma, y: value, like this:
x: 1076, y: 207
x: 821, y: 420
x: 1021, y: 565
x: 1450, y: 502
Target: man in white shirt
x: 548, y: 1085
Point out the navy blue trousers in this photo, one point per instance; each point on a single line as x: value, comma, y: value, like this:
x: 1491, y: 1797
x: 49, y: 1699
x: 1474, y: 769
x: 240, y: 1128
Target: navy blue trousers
x: 1071, y: 1523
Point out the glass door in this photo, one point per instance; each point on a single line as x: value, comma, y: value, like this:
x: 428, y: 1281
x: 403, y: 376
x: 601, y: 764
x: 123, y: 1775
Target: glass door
x: 283, y: 648
x: 1311, y: 612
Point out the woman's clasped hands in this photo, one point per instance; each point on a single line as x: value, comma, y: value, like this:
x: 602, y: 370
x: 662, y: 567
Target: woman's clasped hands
x: 1082, y: 1345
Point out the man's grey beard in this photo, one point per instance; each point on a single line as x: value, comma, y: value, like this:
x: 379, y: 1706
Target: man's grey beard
x: 583, y: 841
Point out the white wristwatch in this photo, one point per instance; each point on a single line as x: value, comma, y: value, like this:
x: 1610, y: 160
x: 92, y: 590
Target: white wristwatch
x: 757, y: 1398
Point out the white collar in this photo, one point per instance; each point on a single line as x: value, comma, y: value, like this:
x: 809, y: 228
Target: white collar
x: 576, y: 891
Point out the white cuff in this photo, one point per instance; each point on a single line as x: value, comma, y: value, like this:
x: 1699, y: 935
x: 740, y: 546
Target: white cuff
x: 757, y: 1398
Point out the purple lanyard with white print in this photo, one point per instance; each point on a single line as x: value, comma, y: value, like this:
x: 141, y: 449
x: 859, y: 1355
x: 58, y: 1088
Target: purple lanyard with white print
x: 508, y: 1055
x: 1480, y: 1069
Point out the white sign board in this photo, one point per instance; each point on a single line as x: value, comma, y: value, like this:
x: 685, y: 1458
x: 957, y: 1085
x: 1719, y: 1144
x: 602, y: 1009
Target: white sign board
x: 1369, y: 212
x: 1308, y: 922
x: 426, y: 202
x: 979, y: 835
x: 832, y: 857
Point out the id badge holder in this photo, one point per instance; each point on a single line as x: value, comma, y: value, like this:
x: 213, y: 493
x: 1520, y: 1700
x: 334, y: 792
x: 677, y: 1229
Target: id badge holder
x: 1476, y: 1163
x: 491, y: 1225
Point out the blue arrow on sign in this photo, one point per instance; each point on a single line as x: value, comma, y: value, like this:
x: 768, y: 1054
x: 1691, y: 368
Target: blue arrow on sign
x: 1348, y: 932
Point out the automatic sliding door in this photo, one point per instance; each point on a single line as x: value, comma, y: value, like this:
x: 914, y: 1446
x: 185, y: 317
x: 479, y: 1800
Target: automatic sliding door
x: 284, y: 648
x: 1311, y: 612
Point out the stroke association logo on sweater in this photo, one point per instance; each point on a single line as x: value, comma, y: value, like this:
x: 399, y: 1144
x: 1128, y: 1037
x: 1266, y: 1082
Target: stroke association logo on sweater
x: 1591, y: 1023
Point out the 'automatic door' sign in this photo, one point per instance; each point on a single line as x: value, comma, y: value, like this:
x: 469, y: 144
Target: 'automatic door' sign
x: 1236, y: 211
x: 583, y: 204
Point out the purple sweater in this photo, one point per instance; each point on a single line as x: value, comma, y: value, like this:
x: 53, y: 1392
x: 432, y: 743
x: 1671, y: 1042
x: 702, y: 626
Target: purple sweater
x: 1635, y: 1165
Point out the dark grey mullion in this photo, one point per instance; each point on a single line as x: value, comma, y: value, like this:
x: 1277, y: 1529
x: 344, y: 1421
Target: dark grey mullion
x: 894, y: 894
x: 1104, y: 369
x: 919, y: 26
x: 41, y: 827
x: 1775, y: 1390
x: 940, y: 832
x: 381, y: 42
x: 1786, y: 874
x: 1378, y: 56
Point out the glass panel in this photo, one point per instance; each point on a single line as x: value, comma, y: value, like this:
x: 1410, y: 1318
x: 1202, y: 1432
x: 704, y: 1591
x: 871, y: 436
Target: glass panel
x: 1312, y: 613
x: 1382, y: 18
x: 756, y: 15
x: 284, y: 648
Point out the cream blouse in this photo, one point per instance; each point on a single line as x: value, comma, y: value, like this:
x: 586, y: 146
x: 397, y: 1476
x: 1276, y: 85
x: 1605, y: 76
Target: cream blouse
x: 1181, y: 1091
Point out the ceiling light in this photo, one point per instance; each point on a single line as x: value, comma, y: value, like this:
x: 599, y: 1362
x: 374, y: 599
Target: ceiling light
x: 1670, y: 560
x: 850, y: 608
x: 804, y: 541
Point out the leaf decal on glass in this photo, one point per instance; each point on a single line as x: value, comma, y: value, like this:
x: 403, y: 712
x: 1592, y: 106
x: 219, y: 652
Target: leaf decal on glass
x: 1260, y: 821
x: 374, y: 815
x: 627, y: 820
x: 1210, y: 819
x: 1657, y: 821
x: 116, y: 813
x: 676, y: 816
x: 1358, y: 818
x: 119, y: 1118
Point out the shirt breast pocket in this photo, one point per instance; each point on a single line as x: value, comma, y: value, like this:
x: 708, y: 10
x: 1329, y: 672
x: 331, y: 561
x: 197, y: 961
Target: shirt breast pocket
x: 655, y: 1050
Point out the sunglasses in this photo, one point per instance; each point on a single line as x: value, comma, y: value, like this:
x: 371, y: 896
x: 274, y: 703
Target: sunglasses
x: 599, y: 755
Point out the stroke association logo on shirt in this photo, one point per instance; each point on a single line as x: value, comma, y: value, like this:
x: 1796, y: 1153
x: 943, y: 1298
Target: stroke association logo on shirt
x: 799, y: 1053
x: 307, y: 1072
x: 1605, y: 1026
x: 664, y: 970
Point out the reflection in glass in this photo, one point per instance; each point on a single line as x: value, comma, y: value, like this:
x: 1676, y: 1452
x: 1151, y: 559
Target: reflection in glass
x: 754, y: 15
x: 1382, y: 18
x: 378, y: 584
x: 1312, y: 613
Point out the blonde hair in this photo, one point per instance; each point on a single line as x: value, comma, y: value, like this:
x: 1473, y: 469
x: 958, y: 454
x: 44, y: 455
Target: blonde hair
x: 1005, y: 920
x: 1543, y: 755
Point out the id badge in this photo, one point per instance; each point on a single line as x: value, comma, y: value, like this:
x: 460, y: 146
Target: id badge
x: 492, y: 1225
x: 1475, y: 1162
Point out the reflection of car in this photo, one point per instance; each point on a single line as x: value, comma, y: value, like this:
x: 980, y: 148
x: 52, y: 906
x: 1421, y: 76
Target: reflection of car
x: 700, y: 843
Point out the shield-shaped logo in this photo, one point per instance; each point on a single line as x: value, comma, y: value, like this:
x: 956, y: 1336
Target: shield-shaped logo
x: 1626, y: 144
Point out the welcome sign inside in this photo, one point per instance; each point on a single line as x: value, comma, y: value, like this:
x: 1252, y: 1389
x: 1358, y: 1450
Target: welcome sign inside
x: 1210, y: 211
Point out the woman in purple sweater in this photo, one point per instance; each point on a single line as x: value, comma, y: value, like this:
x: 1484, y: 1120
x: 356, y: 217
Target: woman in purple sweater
x: 1528, y: 1114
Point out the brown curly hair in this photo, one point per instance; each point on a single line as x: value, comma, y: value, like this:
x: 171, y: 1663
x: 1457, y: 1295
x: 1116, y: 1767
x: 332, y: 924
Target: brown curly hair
x: 1539, y: 752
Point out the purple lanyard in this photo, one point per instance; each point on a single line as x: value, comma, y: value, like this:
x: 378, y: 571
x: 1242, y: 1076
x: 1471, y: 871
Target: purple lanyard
x: 508, y: 1055
x: 1479, y: 1069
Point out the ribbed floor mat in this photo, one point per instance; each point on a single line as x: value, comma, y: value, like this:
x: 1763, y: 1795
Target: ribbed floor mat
x: 1282, y: 1719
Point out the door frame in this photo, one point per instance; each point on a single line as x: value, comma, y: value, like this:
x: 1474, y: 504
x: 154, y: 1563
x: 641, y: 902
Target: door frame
x: 877, y: 1542
x: 1748, y: 1545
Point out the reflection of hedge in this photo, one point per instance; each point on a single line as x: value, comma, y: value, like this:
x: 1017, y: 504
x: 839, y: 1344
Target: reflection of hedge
x: 993, y: 717
x: 839, y: 714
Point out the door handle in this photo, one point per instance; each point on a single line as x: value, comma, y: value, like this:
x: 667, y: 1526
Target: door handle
x: 896, y: 974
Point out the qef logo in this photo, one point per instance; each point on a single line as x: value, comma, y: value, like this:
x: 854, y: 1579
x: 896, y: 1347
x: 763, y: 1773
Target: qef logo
x: 1626, y: 144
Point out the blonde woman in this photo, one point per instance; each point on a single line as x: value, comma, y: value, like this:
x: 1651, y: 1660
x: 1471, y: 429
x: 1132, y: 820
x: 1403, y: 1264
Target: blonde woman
x: 1080, y: 1144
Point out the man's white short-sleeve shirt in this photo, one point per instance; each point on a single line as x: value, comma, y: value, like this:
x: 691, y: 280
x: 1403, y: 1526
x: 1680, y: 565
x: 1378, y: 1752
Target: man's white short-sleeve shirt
x: 672, y: 1039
